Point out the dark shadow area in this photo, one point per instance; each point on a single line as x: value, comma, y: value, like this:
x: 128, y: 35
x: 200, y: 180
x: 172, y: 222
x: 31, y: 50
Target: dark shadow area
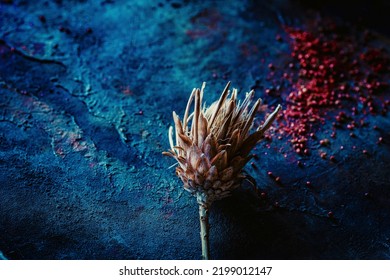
x: 367, y: 14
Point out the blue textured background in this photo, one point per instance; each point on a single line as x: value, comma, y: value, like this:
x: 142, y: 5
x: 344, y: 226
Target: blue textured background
x: 86, y: 96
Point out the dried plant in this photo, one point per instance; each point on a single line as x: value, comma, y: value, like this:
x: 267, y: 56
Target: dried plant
x: 212, y: 152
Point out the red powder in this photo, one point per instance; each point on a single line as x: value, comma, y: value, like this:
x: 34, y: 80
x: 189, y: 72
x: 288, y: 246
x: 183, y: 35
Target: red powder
x: 329, y: 73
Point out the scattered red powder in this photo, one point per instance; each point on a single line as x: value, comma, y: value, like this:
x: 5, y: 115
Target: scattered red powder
x: 126, y: 90
x: 329, y: 73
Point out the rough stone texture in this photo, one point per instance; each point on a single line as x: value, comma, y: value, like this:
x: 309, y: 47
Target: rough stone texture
x: 86, y: 94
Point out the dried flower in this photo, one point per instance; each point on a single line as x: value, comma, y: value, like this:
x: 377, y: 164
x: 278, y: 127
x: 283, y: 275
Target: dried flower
x: 212, y: 152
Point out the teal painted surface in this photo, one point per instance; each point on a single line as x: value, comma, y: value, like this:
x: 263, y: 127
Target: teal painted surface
x: 86, y: 96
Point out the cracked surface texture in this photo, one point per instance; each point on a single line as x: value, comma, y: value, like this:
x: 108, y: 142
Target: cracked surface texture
x: 87, y: 90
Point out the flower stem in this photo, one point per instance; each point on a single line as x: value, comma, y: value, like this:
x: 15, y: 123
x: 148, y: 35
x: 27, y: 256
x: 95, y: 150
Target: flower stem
x: 204, y: 230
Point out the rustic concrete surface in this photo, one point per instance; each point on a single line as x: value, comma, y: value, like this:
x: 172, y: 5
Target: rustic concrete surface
x: 86, y: 94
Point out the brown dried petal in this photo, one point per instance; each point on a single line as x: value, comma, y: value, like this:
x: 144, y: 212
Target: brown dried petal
x: 169, y: 153
x: 202, y: 130
x: 227, y: 174
x: 178, y: 125
x: 199, y: 178
x: 219, y: 104
x: 184, y: 141
x: 206, y: 148
x: 226, y: 125
x: 182, y: 161
x: 190, y: 172
x: 195, y: 120
x: 212, y: 174
x: 268, y: 122
x: 220, y: 160
x: 203, y: 165
x: 234, y: 141
x: 238, y: 163
x: 227, y: 185
x: 217, y: 184
x: 207, y: 184
x: 185, y: 118
x: 250, y: 142
x: 249, y: 121
x: 193, y: 156
x: 209, y: 146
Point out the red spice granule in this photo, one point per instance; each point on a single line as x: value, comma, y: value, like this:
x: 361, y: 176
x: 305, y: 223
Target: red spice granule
x: 330, y: 75
x: 64, y: 29
x: 324, y: 142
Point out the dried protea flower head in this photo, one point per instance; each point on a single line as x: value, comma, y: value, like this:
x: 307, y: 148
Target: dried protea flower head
x: 212, y: 152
